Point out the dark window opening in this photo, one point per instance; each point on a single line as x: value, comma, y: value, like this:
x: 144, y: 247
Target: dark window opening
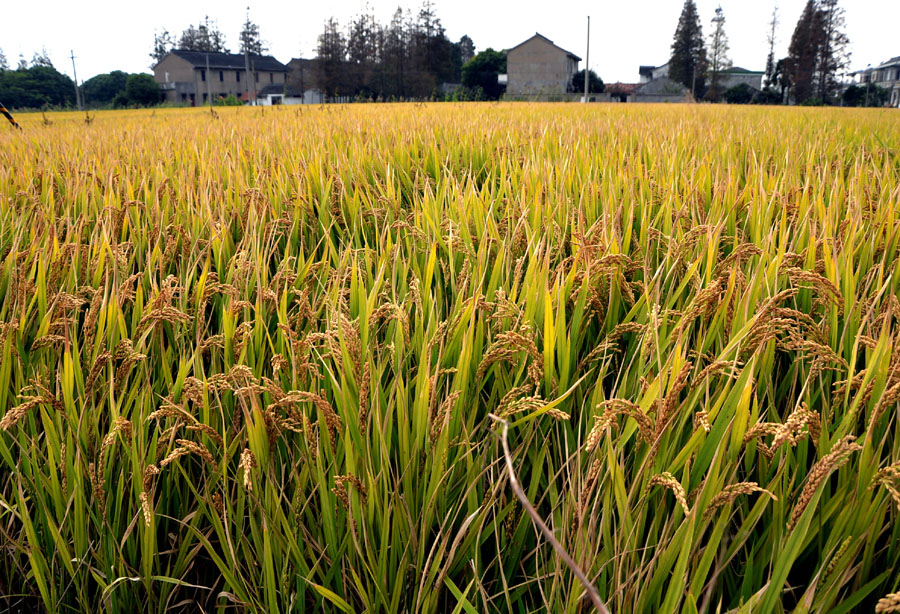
x: 271, y: 77
x: 202, y: 75
x: 221, y: 75
x: 237, y: 75
x: 256, y: 76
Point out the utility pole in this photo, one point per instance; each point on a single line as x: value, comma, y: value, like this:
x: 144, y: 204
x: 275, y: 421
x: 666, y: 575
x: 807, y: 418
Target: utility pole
x: 74, y: 74
x: 587, y: 61
x: 208, y: 77
x: 770, y: 59
x: 868, y: 74
x: 247, y: 59
x: 251, y: 81
x: 247, y: 71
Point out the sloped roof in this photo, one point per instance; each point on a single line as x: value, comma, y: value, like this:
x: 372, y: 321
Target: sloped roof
x: 895, y: 61
x: 892, y: 62
x: 620, y: 88
x: 662, y: 86
x: 275, y: 88
x: 647, y: 69
x: 230, y: 61
x: 545, y: 39
x: 734, y: 70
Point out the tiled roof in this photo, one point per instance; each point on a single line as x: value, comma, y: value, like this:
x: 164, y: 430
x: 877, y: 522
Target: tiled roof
x: 621, y: 88
x: 231, y: 61
x: 541, y: 36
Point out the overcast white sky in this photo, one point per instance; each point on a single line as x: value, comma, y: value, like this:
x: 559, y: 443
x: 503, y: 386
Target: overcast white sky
x: 117, y: 34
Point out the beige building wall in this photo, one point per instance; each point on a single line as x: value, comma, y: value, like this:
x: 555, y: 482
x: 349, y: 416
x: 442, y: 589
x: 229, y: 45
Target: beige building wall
x: 185, y: 83
x: 538, y: 69
x: 175, y: 76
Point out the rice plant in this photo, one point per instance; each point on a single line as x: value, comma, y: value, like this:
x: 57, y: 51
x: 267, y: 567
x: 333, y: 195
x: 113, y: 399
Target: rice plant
x: 248, y: 361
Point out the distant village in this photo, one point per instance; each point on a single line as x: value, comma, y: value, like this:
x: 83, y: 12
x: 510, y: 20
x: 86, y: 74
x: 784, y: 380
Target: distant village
x: 411, y: 58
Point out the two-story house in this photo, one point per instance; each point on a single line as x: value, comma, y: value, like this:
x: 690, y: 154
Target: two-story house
x: 886, y: 75
x: 190, y: 77
x: 538, y: 69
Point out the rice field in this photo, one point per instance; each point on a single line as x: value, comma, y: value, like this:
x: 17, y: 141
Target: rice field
x: 261, y: 360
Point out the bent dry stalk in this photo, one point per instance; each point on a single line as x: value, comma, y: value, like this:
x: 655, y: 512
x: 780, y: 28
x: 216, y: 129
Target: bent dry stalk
x: 539, y: 522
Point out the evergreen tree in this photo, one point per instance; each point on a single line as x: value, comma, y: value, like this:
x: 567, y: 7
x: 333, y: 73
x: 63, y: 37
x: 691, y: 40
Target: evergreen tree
x: 833, y: 53
x: 480, y: 74
x: 362, y: 54
x: 251, y: 42
x: 781, y: 78
x: 395, y: 55
x: 35, y: 87
x: 163, y: 43
x: 102, y: 89
x: 432, y: 50
x: 595, y: 83
x: 466, y: 49
x: 769, y: 79
x: 688, y: 63
x: 803, y: 53
x: 332, y: 52
x: 205, y: 37
x: 41, y: 59
x: 718, y: 52
x: 407, y: 58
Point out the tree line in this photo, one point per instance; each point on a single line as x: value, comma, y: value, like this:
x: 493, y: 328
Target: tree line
x: 206, y: 36
x: 810, y: 74
x: 408, y: 57
x: 39, y: 85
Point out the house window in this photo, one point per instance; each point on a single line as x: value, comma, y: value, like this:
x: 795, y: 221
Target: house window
x: 204, y: 98
x: 221, y: 75
x: 202, y: 75
x: 237, y: 75
x: 256, y: 76
x: 271, y: 77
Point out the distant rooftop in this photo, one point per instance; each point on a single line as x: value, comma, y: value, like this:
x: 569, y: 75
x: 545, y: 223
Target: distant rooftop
x: 621, y: 88
x: 743, y: 71
x: 541, y: 36
x: 231, y: 61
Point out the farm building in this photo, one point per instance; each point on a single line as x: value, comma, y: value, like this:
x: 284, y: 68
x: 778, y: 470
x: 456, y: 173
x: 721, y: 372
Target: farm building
x: 662, y: 89
x: 649, y: 73
x: 190, y: 77
x: 301, y: 84
x: 734, y: 76
x: 621, y: 92
x: 538, y: 69
x: 728, y: 78
x: 886, y: 75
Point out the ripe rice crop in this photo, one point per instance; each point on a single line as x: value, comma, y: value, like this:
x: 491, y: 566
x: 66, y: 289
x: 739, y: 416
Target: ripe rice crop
x: 247, y: 359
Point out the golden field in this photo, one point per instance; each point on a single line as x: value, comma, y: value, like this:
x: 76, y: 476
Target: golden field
x: 247, y: 359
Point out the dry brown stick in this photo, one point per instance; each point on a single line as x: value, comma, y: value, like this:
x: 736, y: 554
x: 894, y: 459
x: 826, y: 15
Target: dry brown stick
x: 517, y: 489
